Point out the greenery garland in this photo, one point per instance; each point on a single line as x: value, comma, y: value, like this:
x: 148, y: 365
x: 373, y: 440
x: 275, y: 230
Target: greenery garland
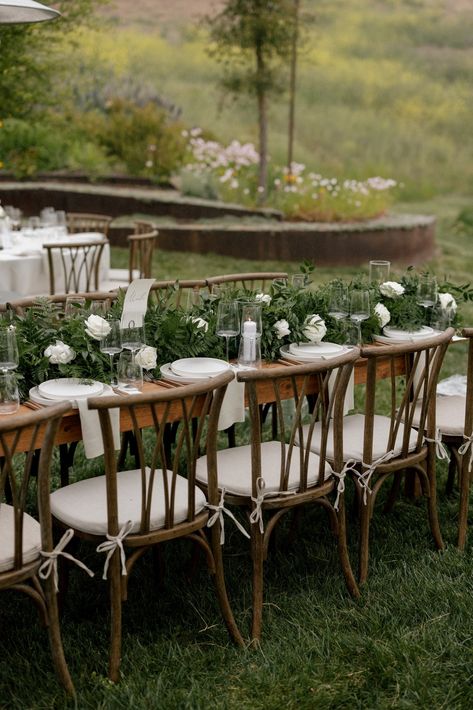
x: 175, y: 332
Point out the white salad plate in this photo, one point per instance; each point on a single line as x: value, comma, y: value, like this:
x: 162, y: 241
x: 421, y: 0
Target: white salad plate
x: 314, y: 351
x: 69, y: 388
x: 35, y: 396
x: 199, y: 367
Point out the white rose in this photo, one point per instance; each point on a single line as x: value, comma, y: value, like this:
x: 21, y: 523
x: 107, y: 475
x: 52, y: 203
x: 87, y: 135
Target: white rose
x: 314, y: 329
x: 282, y: 328
x: 447, y: 302
x: 97, y: 327
x: 60, y: 353
x: 382, y: 314
x: 200, y: 324
x: 263, y: 298
x: 146, y: 357
x: 391, y: 289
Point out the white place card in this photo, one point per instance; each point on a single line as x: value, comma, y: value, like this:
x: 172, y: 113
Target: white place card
x: 136, y: 303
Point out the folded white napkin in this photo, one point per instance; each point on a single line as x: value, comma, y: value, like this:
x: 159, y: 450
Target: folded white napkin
x: 91, y: 431
x: 233, y: 405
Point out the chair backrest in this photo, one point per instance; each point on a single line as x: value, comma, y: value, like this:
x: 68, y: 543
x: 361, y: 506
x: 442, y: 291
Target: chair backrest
x: 141, y: 248
x: 20, y: 437
x: 87, y: 222
x: 251, y: 281
x: 327, y: 381
x: 468, y: 333
x: 141, y: 226
x: 21, y: 305
x: 74, y: 267
x: 177, y: 292
x: 194, y: 409
x: 407, y: 388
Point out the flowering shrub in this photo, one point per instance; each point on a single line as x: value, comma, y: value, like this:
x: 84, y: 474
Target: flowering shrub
x: 230, y: 173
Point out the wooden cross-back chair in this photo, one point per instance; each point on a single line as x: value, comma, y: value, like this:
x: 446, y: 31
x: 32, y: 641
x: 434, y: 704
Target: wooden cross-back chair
x: 74, y: 267
x: 141, y: 248
x: 156, y: 502
x: 25, y: 542
x: 454, y: 420
x: 271, y: 478
x: 78, y: 222
x: 258, y: 280
x: 384, y: 447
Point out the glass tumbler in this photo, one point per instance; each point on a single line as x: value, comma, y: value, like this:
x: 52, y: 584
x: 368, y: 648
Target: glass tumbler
x: 9, y: 397
x: 379, y: 271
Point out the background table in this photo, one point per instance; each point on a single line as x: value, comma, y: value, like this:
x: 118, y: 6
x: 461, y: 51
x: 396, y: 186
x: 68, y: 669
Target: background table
x: 24, y: 263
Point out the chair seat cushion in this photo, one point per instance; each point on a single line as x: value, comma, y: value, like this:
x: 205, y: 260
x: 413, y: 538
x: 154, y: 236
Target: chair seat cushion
x: 353, y: 431
x: 83, y: 505
x: 234, y: 469
x: 449, y: 414
x: 31, y: 538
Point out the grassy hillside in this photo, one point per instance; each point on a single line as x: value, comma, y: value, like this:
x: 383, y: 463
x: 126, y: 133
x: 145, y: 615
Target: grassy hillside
x: 384, y: 87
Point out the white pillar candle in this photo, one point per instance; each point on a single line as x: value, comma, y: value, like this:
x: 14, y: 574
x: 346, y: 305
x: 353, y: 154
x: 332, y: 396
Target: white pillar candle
x: 249, y: 340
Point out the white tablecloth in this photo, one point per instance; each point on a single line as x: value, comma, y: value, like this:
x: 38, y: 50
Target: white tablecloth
x: 24, y: 262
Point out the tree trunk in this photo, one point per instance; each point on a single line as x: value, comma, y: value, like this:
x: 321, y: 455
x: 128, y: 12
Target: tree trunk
x: 262, y: 127
x: 292, y: 88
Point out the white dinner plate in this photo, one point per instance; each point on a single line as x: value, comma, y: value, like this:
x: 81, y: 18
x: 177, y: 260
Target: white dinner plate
x: 312, y: 355
x: 199, y: 367
x: 69, y: 388
x: 36, y: 397
x: 314, y: 349
x: 393, y: 335
x: 398, y: 334
x: 168, y: 374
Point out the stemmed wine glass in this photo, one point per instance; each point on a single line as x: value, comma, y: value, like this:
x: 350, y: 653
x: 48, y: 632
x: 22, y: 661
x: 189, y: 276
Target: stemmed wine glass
x: 427, y: 291
x: 228, y: 322
x: 112, y: 345
x: 359, y: 309
x: 338, y: 304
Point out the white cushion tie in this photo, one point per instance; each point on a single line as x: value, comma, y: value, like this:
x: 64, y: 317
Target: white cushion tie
x: 365, y: 477
x: 349, y: 466
x: 463, y: 449
x: 218, y: 515
x: 111, y: 544
x: 440, y: 448
x: 257, y: 514
x: 50, y: 563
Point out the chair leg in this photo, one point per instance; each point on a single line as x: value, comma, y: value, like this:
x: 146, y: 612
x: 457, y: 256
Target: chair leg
x: 365, y: 517
x: 452, y: 469
x: 114, y: 572
x: 55, y: 641
x: 221, y: 589
x: 257, y: 555
x: 343, y: 553
x: 432, y: 499
x: 463, y: 511
x: 393, y: 494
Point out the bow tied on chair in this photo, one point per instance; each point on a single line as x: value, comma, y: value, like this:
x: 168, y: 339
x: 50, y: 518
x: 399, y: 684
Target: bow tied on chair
x: 440, y: 448
x: 219, y: 510
x: 257, y: 514
x: 465, y: 447
x: 112, y: 543
x: 50, y: 563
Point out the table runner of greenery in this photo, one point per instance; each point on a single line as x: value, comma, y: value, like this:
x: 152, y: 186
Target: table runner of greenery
x: 289, y: 314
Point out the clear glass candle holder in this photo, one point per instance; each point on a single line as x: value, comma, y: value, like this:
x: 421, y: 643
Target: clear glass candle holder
x: 249, y: 352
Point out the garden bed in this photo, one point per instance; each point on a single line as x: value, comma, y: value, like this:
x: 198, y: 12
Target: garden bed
x: 203, y: 226
x: 403, y: 239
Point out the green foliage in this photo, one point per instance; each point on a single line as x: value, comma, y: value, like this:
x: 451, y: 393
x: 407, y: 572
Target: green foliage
x: 27, y: 147
x: 142, y: 138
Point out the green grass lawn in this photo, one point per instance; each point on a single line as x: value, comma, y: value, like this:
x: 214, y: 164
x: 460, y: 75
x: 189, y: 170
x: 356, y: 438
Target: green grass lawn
x: 407, y: 643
